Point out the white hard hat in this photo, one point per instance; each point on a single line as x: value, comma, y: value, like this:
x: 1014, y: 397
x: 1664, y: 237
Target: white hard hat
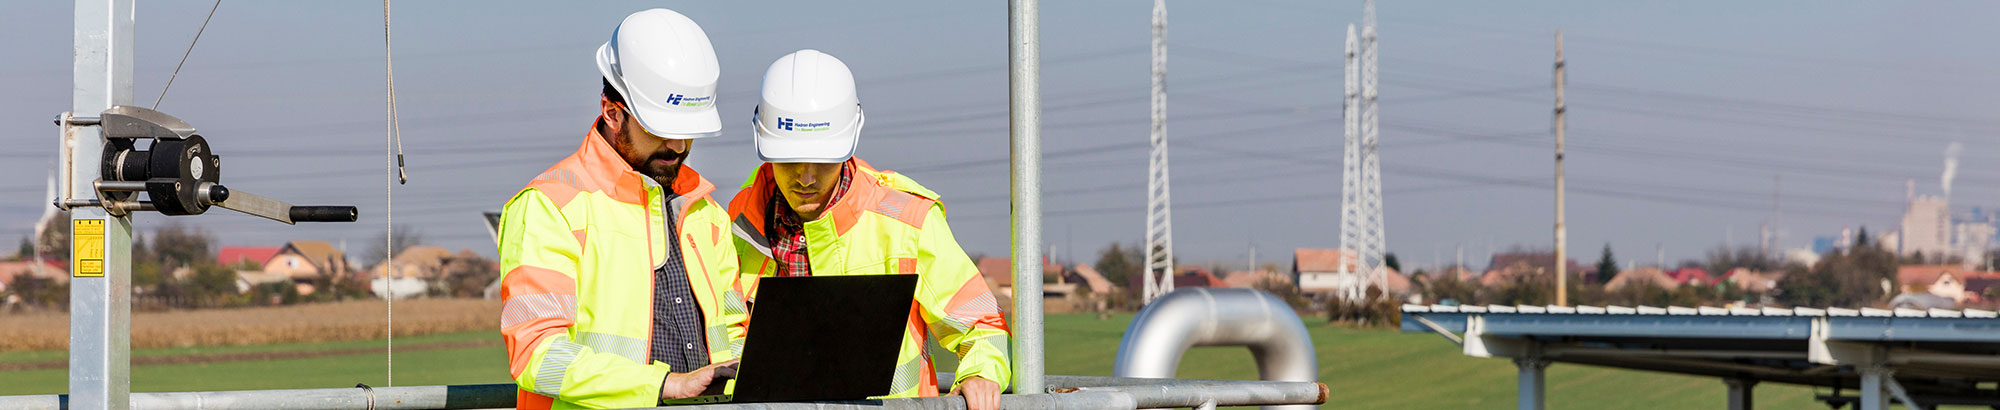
x: 664, y: 66
x: 809, y: 112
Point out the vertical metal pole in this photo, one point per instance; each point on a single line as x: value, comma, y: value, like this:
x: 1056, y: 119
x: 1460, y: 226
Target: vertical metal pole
x: 100, y: 303
x: 1025, y: 98
x: 1562, y: 233
x: 1740, y: 393
x: 1874, y: 395
x: 1532, y: 374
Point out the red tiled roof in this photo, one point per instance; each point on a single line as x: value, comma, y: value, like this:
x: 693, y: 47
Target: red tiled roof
x: 1249, y: 279
x: 1688, y: 275
x: 256, y: 255
x: 1321, y: 260
x: 1928, y: 274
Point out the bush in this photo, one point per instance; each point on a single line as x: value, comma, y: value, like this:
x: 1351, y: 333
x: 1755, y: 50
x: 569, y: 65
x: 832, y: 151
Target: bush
x: 1373, y: 311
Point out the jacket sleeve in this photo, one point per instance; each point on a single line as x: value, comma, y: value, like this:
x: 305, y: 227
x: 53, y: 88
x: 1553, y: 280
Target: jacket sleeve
x: 958, y: 307
x: 539, y: 256
x: 735, y: 306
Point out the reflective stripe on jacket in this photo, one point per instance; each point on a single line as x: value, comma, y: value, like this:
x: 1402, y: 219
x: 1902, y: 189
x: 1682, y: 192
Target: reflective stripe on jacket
x: 887, y: 224
x: 578, y: 248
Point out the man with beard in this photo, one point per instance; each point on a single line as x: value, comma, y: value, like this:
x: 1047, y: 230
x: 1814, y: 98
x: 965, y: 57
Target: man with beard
x: 619, y: 279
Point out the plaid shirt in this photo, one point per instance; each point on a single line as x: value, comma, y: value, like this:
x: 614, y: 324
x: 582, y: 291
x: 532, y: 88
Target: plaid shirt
x: 788, y: 233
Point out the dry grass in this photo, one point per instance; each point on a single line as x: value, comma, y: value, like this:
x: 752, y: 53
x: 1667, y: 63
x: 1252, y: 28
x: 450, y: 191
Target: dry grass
x: 322, y: 322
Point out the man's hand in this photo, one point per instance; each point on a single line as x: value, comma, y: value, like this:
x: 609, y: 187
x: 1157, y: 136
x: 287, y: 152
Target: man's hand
x: 980, y: 394
x: 690, y: 384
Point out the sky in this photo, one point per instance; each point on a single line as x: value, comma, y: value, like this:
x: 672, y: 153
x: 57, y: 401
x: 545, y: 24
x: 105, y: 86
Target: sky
x: 1684, y: 117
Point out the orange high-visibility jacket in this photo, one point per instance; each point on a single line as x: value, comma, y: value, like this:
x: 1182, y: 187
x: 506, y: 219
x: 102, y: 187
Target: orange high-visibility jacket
x: 578, y: 247
x: 887, y: 224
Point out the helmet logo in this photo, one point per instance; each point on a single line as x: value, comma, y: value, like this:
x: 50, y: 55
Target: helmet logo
x: 686, y: 101
x: 789, y: 124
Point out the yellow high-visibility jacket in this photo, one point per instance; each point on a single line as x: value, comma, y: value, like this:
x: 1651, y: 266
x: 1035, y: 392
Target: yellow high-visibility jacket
x: 887, y: 224
x: 578, y: 247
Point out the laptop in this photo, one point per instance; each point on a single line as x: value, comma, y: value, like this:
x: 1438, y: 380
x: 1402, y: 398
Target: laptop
x: 819, y: 338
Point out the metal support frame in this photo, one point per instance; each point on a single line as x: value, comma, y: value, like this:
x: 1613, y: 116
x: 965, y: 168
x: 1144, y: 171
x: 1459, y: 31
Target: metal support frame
x: 1873, y: 391
x: 1025, y: 111
x: 1159, y: 278
x: 1740, y: 393
x: 1361, y: 221
x: 100, y: 302
x: 1077, y: 392
x: 1531, y: 390
x: 1350, y: 167
x: 1168, y: 327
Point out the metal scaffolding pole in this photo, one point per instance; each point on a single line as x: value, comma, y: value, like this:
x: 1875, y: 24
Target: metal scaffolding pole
x: 1077, y: 392
x: 1024, y: 76
x: 100, y: 299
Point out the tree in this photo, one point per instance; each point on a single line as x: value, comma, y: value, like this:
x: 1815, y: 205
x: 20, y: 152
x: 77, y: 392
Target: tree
x: 1861, y: 237
x: 378, y: 250
x: 1389, y: 260
x: 1849, y: 279
x: 54, y: 237
x: 467, y: 274
x: 1119, y: 263
x: 1721, y: 260
x: 1607, y: 266
x: 26, y: 251
x: 176, y: 245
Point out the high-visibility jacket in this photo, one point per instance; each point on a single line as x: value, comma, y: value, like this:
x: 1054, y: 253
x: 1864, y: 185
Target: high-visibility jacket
x: 578, y: 248
x: 887, y: 224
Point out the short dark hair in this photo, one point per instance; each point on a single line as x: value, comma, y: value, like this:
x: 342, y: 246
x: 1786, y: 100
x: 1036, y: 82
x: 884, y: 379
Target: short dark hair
x: 611, y: 93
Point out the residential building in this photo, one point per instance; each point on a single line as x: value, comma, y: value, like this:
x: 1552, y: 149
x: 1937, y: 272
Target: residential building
x: 246, y: 255
x: 1323, y: 272
x: 307, y: 260
x: 1635, y: 277
x: 1948, y: 281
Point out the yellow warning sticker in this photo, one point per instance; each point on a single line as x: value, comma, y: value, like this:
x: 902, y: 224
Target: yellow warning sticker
x: 87, y: 243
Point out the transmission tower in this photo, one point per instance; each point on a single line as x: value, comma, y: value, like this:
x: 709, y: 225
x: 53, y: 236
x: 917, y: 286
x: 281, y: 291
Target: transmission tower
x: 1159, y: 201
x: 1361, y: 192
x: 1350, y: 173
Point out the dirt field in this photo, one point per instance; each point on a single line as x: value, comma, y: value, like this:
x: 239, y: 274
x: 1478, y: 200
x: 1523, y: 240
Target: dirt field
x: 323, y: 322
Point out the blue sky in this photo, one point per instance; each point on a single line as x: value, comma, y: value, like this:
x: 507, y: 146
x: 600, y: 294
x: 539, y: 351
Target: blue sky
x: 1681, y: 113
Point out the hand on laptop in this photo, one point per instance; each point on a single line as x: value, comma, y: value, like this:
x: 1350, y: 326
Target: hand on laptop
x: 681, y: 385
x: 980, y: 394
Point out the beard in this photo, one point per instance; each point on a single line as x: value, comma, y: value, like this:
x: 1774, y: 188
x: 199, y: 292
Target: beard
x: 663, y: 173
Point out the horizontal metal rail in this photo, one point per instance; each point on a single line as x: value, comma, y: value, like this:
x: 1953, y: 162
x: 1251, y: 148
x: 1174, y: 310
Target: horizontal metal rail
x: 1070, y: 392
x: 476, y: 396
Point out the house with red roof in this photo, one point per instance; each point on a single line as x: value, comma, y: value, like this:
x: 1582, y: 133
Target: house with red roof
x: 1691, y: 276
x: 252, y: 255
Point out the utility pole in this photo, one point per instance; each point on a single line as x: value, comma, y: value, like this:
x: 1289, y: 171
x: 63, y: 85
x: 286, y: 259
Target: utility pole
x: 1562, y: 239
x: 1777, y: 186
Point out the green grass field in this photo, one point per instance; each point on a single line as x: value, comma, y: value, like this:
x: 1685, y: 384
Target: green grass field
x: 1366, y: 369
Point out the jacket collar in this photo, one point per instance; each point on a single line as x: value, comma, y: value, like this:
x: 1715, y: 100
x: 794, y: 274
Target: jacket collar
x: 751, y: 204
x: 603, y: 163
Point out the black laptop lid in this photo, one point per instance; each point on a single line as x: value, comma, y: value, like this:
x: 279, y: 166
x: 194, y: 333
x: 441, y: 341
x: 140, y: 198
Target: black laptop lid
x: 824, y: 337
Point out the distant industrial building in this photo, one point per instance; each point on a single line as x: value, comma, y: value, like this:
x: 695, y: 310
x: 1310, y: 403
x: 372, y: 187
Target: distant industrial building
x: 1926, y: 227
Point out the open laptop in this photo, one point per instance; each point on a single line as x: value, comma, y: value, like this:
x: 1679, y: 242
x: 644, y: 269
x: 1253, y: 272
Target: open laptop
x: 819, y: 338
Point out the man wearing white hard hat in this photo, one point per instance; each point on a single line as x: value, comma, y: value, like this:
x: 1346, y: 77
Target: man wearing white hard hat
x: 813, y: 209
x: 618, y: 281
